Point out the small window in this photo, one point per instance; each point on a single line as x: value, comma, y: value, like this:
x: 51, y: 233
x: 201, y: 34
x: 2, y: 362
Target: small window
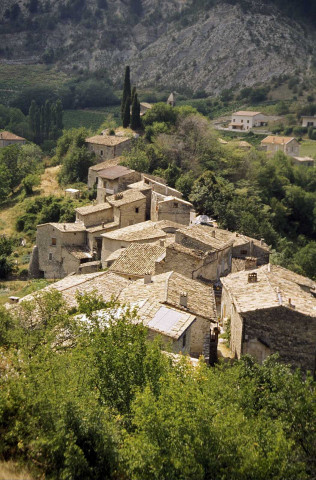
x: 101, y: 152
x: 242, y: 121
x: 136, y: 209
x: 175, y: 205
x: 54, y: 241
x: 184, y: 340
x: 50, y: 256
x: 247, y: 121
x: 243, y: 252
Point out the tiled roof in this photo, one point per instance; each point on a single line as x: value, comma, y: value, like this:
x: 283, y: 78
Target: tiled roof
x: 188, y: 251
x: 215, y: 238
x: 247, y: 113
x: 137, y: 259
x: 141, y: 185
x: 122, y: 198
x: 275, y: 286
x: 107, y: 163
x: 10, y: 136
x: 139, y: 231
x: 146, y: 105
x: 176, y: 199
x: 240, y: 240
x: 66, y: 227
x: 276, y: 140
x: 111, y: 173
x: 104, y: 227
x: 107, y: 140
x: 93, y: 208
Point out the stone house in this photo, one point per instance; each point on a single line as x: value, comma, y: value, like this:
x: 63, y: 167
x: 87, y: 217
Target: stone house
x: 246, y: 247
x: 271, y: 310
x: 145, y: 232
x: 288, y: 145
x: 171, y: 100
x: 309, y: 121
x: 108, y: 146
x: 246, y: 120
x: 144, y: 107
x: 138, y: 260
x: 170, y: 208
x: 94, y: 169
x: 92, y: 215
x: 114, y: 179
x: 179, y: 310
x: 8, y: 138
x: 304, y: 161
x: 129, y: 207
x: 61, y: 248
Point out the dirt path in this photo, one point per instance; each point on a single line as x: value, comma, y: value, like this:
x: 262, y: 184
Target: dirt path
x: 49, y: 184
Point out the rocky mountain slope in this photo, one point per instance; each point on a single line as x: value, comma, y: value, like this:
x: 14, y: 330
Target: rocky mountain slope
x: 171, y: 43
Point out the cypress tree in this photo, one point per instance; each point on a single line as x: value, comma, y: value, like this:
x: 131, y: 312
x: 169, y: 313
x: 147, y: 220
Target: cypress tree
x: 133, y: 93
x: 135, y: 120
x: 126, y: 91
x: 126, y: 113
x: 47, y: 118
x: 32, y: 117
x: 59, y: 115
x: 37, y: 127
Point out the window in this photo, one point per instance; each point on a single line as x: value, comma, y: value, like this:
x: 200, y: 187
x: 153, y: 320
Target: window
x: 136, y: 209
x: 101, y: 153
x: 54, y: 241
x: 247, y: 121
x: 184, y: 340
x: 175, y: 205
x: 242, y: 121
x: 243, y: 252
x: 50, y: 256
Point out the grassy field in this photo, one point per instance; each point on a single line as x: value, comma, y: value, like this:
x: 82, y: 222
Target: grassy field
x: 14, y: 78
x: 12, y: 471
x: 308, y: 148
x: 92, y: 119
x: 20, y: 288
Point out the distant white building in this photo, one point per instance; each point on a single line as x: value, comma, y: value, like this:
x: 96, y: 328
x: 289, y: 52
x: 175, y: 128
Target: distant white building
x: 309, y: 121
x: 245, y: 120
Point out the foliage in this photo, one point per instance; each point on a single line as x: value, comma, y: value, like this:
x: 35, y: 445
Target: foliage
x: 88, y: 396
x: 6, y: 262
x: 135, y: 118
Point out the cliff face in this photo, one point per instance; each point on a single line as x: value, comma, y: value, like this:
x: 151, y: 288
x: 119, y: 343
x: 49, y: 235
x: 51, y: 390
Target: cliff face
x: 168, y: 43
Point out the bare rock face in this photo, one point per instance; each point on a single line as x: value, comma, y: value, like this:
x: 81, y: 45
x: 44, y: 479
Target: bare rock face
x: 169, y: 44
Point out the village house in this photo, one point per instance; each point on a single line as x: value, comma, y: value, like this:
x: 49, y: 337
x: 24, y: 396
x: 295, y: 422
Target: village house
x: 60, y: 249
x: 145, y: 232
x: 144, y: 107
x: 129, y: 207
x: 179, y: 310
x: 271, y: 310
x: 170, y: 208
x: 138, y: 260
x: 94, y: 169
x: 246, y: 120
x: 287, y: 145
x: 309, y: 121
x: 171, y: 100
x: 8, y: 138
x: 108, y: 146
x: 304, y: 161
x: 114, y: 179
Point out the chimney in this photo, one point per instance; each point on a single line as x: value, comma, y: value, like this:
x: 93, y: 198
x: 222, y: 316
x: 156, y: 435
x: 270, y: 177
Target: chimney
x: 65, y: 227
x: 269, y: 267
x: 147, y: 278
x: 103, y: 224
x: 252, y: 277
x: 162, y: 243
x: 184, y: 299
x: 213, y: 233
x: 313, y: 290
x: 250, y: 263
x: 118, y: 196
x: 291, y: 305
x: 261, y: 241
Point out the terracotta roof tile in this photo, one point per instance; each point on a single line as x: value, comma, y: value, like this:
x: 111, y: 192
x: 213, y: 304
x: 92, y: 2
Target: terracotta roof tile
x: 137, y: 259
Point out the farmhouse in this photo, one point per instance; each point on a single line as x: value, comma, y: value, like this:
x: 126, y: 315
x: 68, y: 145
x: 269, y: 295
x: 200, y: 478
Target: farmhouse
x: 8, y: 138
x: 271, y: 310
x: 108, y: 146
x: 246, y: 120
x: 93, y: 171
x: 287, y: 145
x: 305, y: 161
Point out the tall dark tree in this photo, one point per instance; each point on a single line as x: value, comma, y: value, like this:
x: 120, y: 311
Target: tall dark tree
x: 127, y: 113
x: 59, y: 115
x: 32, y: 116
x: 47, y: 118
x: 127, y: 94
x: 133, y: 93
x: 135, y: 120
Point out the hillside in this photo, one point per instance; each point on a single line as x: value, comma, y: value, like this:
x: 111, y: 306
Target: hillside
x: 202, y: 45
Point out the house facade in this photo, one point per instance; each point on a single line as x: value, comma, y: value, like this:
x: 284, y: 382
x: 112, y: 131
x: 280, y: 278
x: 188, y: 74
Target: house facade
x: 271, y: 310
x: 114, y: 179
x: 288, y: 145
x: 309, y: 121
x: 246, y: 120
x: 107, y: 147
x: 170, y: 208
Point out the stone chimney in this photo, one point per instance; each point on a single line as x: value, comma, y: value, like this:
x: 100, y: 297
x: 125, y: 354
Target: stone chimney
x: 213, y: 233
x: 250, y: 263
x: 162, y: 243
x: 147, y: 278
x: 65, y: 228
x: 184, y: 299
x: 118, y: 196
x: 261, y: 241
x: 252, y: 277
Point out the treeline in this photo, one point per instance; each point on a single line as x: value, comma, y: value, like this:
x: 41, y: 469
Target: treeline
x: 89, y: 399
x: 46, y: 121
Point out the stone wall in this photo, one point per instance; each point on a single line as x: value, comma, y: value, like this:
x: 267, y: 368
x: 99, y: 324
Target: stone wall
x: 176, y: 345
x: 131, y: 213
x: 199, y: 330
x: 96, y: 218
x: 172, y: 210
x: 229, y: 312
